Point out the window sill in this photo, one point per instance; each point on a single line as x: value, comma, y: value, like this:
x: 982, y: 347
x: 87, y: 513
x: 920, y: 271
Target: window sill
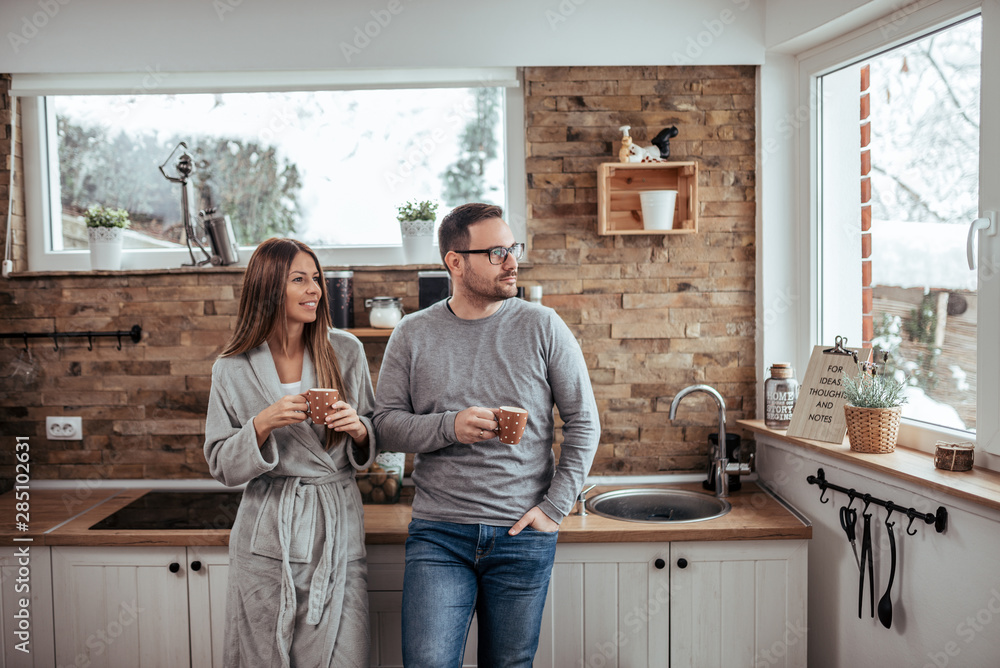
x: 979, y: 485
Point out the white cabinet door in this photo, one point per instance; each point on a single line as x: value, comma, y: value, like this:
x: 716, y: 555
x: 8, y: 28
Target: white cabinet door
x: 26, y: 575
x: 385, y: 604
x: 385, y: 607
x: 608, y: 605
x: 738, y: 603
x: 121, y: 606
x: 208, y: 577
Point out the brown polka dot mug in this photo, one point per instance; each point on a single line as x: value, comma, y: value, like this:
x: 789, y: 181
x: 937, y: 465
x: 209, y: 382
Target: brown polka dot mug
x: 319, y: 400
x: 512, y: 421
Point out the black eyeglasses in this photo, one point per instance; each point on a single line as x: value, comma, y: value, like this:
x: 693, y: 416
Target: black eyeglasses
x: 498, y: 254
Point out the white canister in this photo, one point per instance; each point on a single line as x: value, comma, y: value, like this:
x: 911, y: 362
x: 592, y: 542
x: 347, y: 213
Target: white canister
x: 658, y: 209
x: 386, y: 312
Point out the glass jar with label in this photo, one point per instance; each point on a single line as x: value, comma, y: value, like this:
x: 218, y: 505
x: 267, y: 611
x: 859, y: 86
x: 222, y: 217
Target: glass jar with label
x: 386, y: 312
x: 780, y: 392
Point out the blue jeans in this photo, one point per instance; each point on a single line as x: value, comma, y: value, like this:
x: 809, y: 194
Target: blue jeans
x: 455, y: 570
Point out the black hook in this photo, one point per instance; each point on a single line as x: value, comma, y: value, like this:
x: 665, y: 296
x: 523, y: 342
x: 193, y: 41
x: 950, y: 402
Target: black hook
x: 868, y: 501
x: 822, y: 497
x: 912, y: 514
x: 90, y: 342
x: 888, y: 507
x: 853, y: 494
x: 119, y: 340
x: 25, y: 342
x: 55, y: 339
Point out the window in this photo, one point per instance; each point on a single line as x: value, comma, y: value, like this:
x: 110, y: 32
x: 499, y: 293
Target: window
x: 894, y: 197
x: 912, y: 290
x: 328, y: 167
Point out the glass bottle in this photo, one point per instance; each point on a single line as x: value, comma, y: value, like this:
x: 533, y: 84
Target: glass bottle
x: 780, y: 392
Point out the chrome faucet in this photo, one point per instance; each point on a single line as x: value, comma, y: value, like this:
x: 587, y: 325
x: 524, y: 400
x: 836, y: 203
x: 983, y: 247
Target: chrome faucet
x: 723, y: 469
x: 582, y: 500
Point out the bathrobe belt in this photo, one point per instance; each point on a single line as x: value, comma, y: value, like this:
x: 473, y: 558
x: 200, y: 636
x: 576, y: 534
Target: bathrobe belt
x: 331, y: 571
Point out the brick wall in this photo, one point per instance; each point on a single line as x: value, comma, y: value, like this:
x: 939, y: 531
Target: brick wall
x: 652, y: 313
x: 9, y: 157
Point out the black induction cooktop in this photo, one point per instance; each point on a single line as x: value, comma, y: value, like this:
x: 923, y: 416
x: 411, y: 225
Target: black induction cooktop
x: 176, y: 510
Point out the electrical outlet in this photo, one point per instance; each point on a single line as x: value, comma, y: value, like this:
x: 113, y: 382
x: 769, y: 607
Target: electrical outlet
x: 64, y: 428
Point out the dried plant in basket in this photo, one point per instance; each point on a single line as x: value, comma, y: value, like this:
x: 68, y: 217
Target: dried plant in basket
x: 873, y: 407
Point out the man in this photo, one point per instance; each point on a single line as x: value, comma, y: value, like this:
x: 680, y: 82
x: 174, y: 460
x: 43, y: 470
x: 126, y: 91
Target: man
x: 485, y: 514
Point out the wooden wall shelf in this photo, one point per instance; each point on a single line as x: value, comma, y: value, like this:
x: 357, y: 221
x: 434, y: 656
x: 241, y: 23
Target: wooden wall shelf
x: 619, y: 185
x: 371, y: 334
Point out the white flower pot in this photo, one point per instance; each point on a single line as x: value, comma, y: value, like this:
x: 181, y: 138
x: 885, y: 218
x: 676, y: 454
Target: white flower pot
x: 418, y: 242
x: 105, y: 248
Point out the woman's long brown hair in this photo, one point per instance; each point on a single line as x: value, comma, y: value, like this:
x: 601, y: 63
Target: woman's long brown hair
x: 262, y: 312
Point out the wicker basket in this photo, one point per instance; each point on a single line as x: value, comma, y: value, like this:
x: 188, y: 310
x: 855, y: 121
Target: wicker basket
x: 873, y: 430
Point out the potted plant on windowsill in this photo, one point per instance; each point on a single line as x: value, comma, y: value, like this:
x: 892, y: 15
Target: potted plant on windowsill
x: 105, y: 230
x: 416, y: 223
x: 873, y: 408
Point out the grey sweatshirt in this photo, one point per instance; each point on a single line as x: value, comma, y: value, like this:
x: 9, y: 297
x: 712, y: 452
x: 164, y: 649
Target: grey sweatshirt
x: 437, y: 364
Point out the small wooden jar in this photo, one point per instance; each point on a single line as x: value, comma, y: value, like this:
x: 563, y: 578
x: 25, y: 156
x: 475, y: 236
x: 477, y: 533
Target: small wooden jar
x: 954, y: 456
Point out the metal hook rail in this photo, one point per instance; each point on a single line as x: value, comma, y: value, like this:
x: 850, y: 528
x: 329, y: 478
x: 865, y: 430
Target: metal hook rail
x: 938, y: 519
x: 135, y: 334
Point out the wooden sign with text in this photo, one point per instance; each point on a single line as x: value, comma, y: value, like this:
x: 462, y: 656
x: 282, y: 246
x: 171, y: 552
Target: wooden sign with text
x: 819, y: 410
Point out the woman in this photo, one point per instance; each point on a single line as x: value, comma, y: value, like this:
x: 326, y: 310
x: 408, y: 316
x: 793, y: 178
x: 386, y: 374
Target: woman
x: 297, y: 574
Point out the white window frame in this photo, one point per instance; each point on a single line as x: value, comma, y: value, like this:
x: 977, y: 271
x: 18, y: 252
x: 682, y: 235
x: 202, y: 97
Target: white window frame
x: 895, y: 30
x: 41, y: 157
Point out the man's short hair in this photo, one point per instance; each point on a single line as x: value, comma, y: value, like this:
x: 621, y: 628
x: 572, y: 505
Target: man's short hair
x: 454, y: 231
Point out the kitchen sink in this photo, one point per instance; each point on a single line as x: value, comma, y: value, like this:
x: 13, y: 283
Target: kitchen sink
x: 657, y: 505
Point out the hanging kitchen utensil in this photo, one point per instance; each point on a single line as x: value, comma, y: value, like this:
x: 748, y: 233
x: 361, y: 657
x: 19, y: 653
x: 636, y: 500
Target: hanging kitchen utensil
x: 866, y: 556
x: 885, y: 603
x: 848, y: 522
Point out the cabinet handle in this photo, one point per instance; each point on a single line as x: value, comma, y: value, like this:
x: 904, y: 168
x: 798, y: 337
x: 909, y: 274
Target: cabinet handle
x: 682, y: 563
x: 195, y: 565
x: 174, y: 567
x: 659, y: 563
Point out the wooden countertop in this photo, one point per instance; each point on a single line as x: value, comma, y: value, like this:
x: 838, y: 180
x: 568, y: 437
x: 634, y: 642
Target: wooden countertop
x: 56, y: 521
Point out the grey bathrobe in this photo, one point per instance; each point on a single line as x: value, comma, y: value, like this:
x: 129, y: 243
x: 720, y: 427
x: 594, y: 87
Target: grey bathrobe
x: 297, y: 577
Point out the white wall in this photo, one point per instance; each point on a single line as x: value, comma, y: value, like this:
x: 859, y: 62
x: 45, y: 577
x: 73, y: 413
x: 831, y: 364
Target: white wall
x: 946, y: 595
x: 792, y: 26
x: 781, y: 246
x: 52, y: 36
